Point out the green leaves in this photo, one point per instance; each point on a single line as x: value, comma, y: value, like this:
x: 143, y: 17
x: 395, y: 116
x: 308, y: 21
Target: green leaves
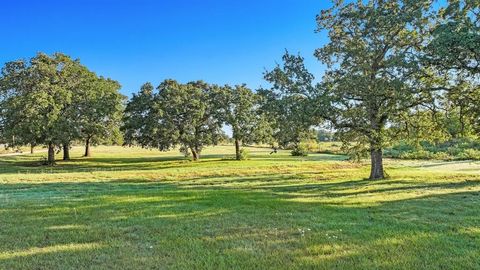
x: 374, y: 69
x: 55, y: 100
x: 100, y: 108
x: 291, y: 101
x: 454, y: 52
x: 241, y: 112
x: 240, y: 109
x: 192, y: 116
x: 177, y: 115
x: 138, y: 118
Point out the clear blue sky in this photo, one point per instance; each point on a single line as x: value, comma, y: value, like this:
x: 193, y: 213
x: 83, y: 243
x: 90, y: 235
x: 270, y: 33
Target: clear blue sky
x: 219, y: 41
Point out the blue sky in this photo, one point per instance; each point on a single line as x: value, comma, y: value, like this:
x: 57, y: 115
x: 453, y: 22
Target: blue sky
x: 219, y: 41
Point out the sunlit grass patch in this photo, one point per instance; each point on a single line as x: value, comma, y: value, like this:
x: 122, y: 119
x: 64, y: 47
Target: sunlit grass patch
x: 49, y: 249
x: 159, y: 210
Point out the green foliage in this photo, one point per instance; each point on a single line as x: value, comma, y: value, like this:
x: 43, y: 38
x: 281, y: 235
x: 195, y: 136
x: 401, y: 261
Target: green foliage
x: 373, y: 70
x: 454, y: 149
x: 100, y: 110
x: 240, y: 110
x: 334, y: 148
x: 301, y: 150
x: 416, y: 126
x: 456, y: 36
x: 289, y: 103
x: 53, y: 100
x: 308, y: 144
x: 238, y: 106
x: 388, y: 66
x: 454, y: 52
x: 324, y: 135
x: 244, y: 153
x: 186, y: 115
x: 138, y: 121
x: 470, y: 154
x: 34, y: 99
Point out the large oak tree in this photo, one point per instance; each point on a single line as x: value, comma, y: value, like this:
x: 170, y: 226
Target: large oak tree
x: 374, y: 72
x: 34, y: 98
x: 185, y: 115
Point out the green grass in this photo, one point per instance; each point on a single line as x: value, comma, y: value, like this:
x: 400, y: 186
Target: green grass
x: 128, y: 208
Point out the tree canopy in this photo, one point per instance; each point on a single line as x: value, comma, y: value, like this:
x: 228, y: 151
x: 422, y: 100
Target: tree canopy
x: 290, y: 101
x: 50, y: 100
x: 374, y: 71
x: 185, y: 115
x: 454, y: 52
x: 240, y: 109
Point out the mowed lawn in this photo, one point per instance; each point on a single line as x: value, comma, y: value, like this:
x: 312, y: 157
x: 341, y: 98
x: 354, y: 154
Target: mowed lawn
x: 129, y: 208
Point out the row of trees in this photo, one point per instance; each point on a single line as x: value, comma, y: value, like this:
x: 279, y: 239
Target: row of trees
x: 394, y: 69
x: 192, y: 116
x: 54, y: 101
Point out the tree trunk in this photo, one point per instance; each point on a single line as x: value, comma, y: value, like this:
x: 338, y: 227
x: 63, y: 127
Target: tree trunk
x: 462, y: 123
x: 66, y: 151
x: 87, y: 148
x: 194, y: 154
x: 376, y: 143
x: 237, y: 149
x: 32, y: 149
x: 376, y: 172
x: 51, y: 154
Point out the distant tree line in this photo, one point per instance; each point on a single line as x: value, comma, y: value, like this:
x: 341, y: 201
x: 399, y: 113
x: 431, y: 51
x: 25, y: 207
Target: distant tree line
x: 395, y: 70
x: 191, y: 116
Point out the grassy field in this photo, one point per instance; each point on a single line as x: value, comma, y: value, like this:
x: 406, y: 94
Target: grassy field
x: 128, y: 208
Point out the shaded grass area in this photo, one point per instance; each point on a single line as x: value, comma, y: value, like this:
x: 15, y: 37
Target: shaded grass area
x: 159, y: 211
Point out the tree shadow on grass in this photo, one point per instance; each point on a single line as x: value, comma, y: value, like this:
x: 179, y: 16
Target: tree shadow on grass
x: 33, y: 164
x: 362, y: 187
x: 256, y: 221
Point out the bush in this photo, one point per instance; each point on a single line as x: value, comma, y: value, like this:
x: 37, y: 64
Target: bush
x: 468, y: 154
x: 419, y: 154
x: 332, y: 148
x: 453, y: 151
x: 244, y: 153
x: 441, y: 156
x: 301, y: 150
x: 311, y: 145
x: 404, y: 147
x: 463, y: 149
